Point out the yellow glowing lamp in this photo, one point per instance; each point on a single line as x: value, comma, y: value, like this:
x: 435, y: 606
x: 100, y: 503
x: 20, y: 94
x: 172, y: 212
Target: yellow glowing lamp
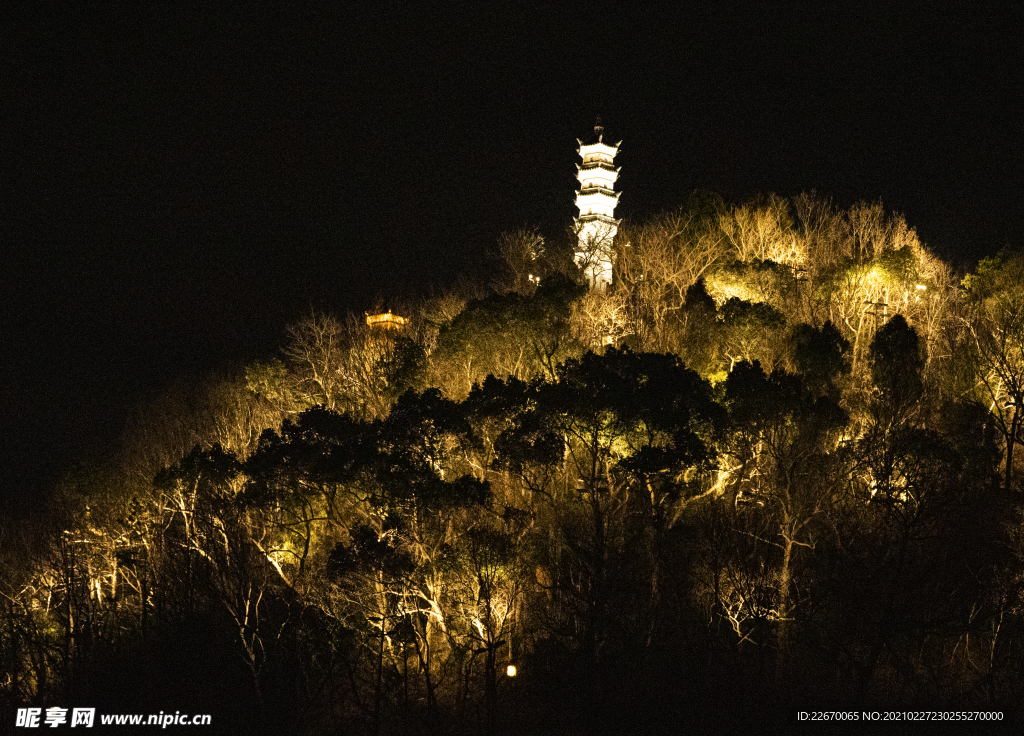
x: 511, y: 671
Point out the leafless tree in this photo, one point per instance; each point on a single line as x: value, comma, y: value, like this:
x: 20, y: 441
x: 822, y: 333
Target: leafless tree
x: 762, y: 231
x: 521, y: 255
x: 660, y: 260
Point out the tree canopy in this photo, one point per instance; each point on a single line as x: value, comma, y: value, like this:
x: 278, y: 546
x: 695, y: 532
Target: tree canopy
x: 775, y: 460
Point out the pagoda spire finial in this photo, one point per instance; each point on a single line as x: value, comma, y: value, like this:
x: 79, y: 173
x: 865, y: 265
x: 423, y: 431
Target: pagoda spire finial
x: 599, y: 130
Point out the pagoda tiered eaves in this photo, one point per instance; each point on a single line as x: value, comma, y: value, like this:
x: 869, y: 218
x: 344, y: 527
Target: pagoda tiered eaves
x: 596, y: 199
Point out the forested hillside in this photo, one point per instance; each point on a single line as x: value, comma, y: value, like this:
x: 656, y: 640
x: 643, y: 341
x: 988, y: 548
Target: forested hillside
x: 774, y: 465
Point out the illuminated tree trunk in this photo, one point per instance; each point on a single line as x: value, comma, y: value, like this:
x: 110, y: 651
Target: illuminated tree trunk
x: 15, y: 663
x: 1011, y: 440
x: 782, y: 669
x: 423, y: 654
x: 595, y: 624
x: 380, y: 673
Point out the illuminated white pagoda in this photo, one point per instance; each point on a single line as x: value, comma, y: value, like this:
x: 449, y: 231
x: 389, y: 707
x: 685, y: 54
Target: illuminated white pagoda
x: 596, y: 226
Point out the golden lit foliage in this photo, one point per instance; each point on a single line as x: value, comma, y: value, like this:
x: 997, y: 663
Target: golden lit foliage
x: 507, y: 335
x: 660, y: 259
x: 996, y: 326
x: 351, y: 365
x: 724, y: 452
x: 602, y: 317
x: 762, y: 231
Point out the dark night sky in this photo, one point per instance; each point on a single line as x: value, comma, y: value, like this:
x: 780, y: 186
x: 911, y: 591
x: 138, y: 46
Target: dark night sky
x: 178, y: 187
